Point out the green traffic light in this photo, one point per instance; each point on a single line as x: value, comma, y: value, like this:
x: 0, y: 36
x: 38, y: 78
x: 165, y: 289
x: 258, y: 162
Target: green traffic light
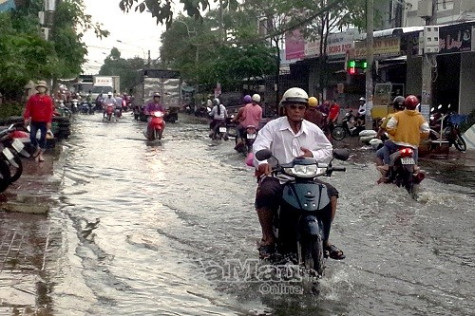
x: 351, y: 63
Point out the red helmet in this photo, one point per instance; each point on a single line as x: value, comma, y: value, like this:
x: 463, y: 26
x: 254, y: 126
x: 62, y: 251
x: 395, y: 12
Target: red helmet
x: 411, y: 102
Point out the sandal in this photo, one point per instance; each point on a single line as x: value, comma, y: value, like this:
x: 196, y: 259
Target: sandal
x: 334, y: 253
x: 266, y: 251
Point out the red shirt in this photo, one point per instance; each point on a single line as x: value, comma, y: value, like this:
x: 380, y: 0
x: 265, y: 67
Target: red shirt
x: 334, y: 112
x: 40, y: 108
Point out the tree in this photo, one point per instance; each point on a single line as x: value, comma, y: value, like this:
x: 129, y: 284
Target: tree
x: 162, y: 10
x: 203, y: 58
x: 127, y: 69
x: 26, y: 56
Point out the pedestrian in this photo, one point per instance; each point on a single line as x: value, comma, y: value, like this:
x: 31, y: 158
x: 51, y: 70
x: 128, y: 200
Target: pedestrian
x: 39, y: 115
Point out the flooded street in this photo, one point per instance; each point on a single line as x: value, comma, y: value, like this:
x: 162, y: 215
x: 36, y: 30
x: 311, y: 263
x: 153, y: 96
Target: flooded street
x: 169, y: 228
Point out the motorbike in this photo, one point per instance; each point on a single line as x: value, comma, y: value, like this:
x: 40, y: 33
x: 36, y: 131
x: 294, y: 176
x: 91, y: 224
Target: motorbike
x: 445, y: 129
x: 14, y: 141
x: 155, y: 126
x: 109, y: 113
x: 219, y: 131
x: 117, y: 113
x: 250, y: 134
x: 348, y: 127
x: 86, y: 107
x: 401, y: 170
x: 298, y: 224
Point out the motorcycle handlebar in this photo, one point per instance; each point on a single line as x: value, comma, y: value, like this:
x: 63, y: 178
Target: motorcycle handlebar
x: 343, y: 169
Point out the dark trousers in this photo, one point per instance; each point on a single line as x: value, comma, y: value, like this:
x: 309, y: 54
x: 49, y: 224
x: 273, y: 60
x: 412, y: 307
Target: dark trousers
x: 34, y: 127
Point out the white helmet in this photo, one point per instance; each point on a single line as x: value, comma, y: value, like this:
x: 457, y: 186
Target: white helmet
x: 362, y: 99
x: 256, y: 98
x: 295, y: 95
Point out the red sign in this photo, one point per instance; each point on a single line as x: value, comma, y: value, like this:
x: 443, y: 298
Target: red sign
x: 294, y: 45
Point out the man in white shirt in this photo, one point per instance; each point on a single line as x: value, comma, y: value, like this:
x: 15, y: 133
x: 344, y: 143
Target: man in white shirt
x: 287, y: 138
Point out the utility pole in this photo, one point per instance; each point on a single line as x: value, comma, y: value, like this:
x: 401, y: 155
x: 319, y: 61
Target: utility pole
x: 369, y: 60
x: 428, y: 62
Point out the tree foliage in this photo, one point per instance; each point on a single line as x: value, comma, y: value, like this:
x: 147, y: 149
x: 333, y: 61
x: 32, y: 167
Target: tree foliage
x: 127, y: 69
x: 163, y: 10
x: 26, y: 56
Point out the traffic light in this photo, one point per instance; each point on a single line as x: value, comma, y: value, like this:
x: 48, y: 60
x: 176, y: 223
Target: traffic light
x: 354, y: 67
x: 351, y: 67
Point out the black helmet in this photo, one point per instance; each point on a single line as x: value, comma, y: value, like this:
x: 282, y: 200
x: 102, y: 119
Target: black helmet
x: 398, y: 103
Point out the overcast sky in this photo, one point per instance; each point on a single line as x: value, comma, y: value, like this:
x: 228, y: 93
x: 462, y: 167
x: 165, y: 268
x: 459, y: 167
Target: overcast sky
x: 137, y: 33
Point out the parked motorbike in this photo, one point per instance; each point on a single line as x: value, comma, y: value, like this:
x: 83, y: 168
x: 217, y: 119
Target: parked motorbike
x: 298, y: 224
x: 13, y: 143
x: 445, y: 129
x: 348, y: 127
x: 401, y: 171
x: 155, y: 126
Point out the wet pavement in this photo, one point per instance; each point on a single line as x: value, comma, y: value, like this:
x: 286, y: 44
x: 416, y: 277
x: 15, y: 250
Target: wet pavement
x: 144, y: 228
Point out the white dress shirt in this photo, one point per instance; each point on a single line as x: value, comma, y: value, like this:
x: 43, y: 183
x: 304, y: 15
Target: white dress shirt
x: 280, y: 139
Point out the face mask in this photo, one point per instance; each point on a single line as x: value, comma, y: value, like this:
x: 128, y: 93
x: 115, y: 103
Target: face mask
x: 41, y: 89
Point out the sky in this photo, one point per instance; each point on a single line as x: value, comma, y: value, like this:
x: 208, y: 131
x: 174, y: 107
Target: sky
x: 133, y: 34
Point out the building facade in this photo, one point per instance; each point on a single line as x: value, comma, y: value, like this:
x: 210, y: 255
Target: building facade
x: 399, y: 60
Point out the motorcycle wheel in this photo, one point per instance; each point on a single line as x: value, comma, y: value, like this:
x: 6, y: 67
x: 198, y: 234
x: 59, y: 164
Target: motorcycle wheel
x: 15, y: 172
x: 338, y: 133
x: 312, y: 255
x: 4, y: 175
x: 459, y: 142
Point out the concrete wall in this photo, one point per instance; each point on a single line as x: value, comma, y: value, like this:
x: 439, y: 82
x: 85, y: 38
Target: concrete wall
x: 414, y: 76
x: 467, y: 83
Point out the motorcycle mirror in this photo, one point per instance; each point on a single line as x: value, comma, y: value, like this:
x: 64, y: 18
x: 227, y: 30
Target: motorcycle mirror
x: 263, y: 154
x: 341, y: 154
x: 432, y: 109
x: 439, y: 107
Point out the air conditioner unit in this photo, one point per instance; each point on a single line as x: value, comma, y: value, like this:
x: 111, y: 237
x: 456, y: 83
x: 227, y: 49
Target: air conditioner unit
x: 424, y: 9
x: 44, y: 32
x: 41, y: 17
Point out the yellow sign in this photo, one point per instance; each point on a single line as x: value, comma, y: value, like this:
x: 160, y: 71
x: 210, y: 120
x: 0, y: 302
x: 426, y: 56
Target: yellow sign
x: 388, y: 46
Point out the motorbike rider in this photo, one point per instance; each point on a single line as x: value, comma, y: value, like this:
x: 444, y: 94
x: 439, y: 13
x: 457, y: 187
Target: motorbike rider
x: 406, y: 128
x: 360, y: 119
x: 218, y: 114
x: 154, y: 105
x: 237, y: 119
x: 289, y: 137
x: 313, y: 114
x: 119, y: 103
x: 251, y: 116
x: 110, y: 100
x: 398, y: 105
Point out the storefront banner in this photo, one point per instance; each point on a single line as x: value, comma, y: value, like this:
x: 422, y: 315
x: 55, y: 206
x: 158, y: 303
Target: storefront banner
x: 386, y: 46
x: 339, y: 43
x: 312, y: 48
x: 454, y: 39
x: 294, y: 45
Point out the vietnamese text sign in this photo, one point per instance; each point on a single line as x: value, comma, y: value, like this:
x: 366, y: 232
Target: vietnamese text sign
x: 387, y: 46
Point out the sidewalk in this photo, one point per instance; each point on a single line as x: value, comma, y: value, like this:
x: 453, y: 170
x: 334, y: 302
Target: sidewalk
x: 26, y: 237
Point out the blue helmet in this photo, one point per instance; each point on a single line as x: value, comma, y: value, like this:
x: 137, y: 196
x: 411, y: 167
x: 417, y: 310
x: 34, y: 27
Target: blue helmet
x: 247, y: 98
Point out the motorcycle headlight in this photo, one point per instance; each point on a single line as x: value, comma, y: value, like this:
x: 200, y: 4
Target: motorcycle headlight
x: 158, y: 114
x: 303, y: 171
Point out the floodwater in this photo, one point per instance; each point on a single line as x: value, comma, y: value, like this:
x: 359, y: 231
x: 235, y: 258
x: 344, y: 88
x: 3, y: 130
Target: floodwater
x: 168, y: 228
